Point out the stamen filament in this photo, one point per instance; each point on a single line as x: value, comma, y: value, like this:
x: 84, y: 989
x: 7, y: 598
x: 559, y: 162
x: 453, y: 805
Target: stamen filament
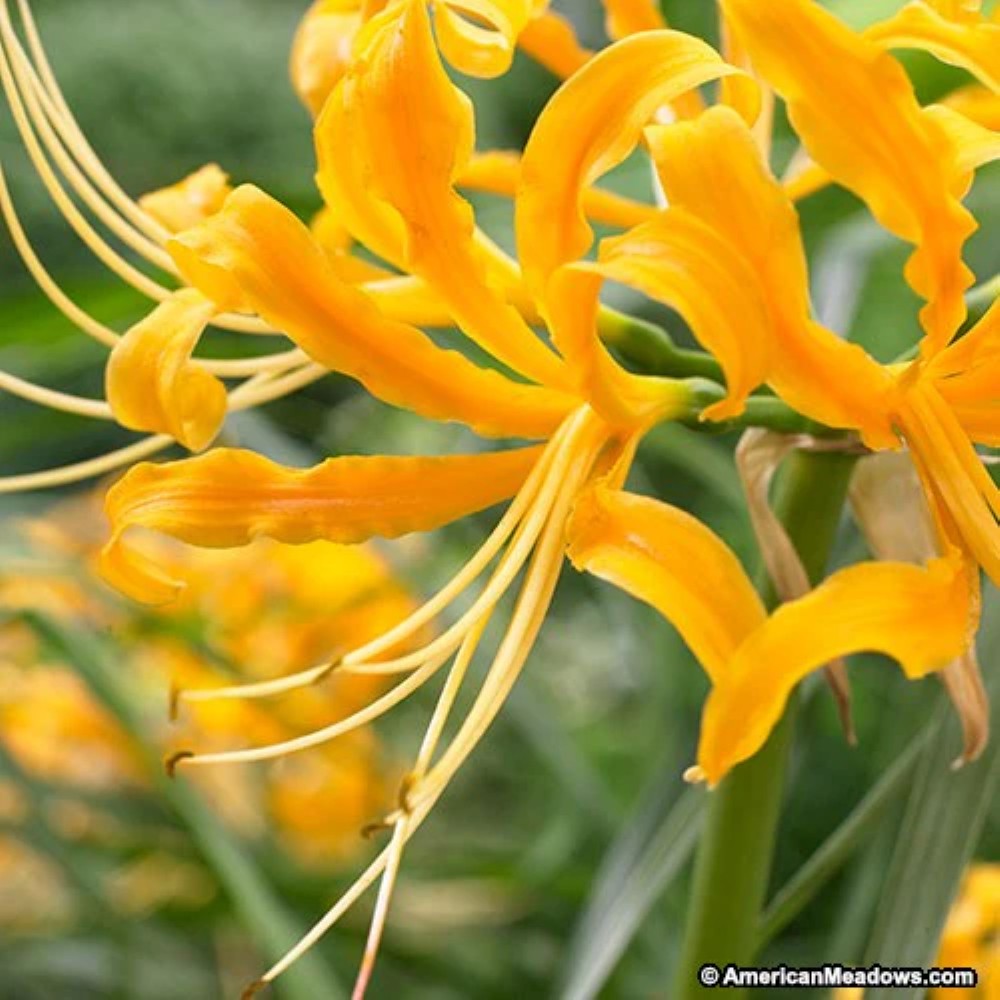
x: 362, y: 717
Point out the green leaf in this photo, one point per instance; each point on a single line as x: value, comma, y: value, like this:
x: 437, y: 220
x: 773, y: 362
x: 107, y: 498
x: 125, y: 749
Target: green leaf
x: 643, y: 859
x: 941, y: 827
x: 829, y: 858
x: 261, y: 911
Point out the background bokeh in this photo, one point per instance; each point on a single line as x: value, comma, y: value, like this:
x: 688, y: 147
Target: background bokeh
x: 557, y: 865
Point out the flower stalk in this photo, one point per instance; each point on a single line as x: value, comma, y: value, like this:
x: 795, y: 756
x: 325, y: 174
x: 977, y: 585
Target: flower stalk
x: 733, y: 864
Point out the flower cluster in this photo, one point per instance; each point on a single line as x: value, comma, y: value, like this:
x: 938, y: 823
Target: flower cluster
x: 395, y: 145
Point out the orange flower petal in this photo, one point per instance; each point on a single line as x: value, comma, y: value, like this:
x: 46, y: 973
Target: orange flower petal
x: 256, y: 256
x: 397, y: 98
x: 321, y: 49
x: 961, y: 38
x: 921, y: 616
x: 626, y: 17
x: 670, y: 560
x: 712, y: 169
x: 678, y: 260
x: 499, y: 172
x: 189, y: 201
x: 226, y: 498
x: 952, y: 472
x: 590, y: 125
x: 854, y: 108
x: 153, y: 385
x: 621, y: 398
x: 550, y: 40
x: 478, y: 37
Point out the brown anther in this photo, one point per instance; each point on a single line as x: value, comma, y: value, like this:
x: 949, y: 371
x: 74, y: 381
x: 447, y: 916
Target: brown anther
x: 174, y: 702
x: 406, y: 787
x: 327, y: 670
x: 371, y: 830
x: 253, y: 989
x: 170, y: 764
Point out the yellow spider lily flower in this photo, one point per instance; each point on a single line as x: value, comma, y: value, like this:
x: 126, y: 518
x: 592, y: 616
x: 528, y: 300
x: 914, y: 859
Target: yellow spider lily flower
x: 923, y: 617
x: 395, y: 141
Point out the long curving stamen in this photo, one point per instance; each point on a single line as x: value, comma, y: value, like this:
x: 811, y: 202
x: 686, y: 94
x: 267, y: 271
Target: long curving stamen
x: 401, y: 833
x: 83, y: 321
x: 458, y: 584
x: 75, y: 139
x: 529, y: 614
x: 76, y: 220
x: 255, y: 391
x: 53, y: 399
x: 41, y: 113
x: 73, y: 473
x: 354, y: 721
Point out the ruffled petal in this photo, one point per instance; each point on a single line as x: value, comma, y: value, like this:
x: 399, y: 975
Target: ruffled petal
x: 855, y: 110
x: 226, y: 498
x: 153, y: 385
x: 189, y: 201
x: 398, y: 98
x: 321, y: 49
x: 256, y: 256
x: 667, y: 558
x: 923, y: 617
x: 678, y: 260
x: 961, y: 38
x: 711, y: 168
x: 590, y: 125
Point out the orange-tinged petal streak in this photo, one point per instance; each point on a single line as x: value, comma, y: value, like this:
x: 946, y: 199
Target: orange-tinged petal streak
x: 854, y: 108
x: 399, y: 99
x: 711, y: 168
x: 670, y: 560
x: 227, y: 497
x: 590, y: 125
x: 189, y: 201
x: 970, y: 42
x: 921, y: 616
x: 153, y: 385
x: 256, y: 256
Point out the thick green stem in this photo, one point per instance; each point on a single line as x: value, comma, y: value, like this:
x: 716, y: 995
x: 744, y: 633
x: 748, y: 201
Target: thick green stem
x: 733, y: 866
